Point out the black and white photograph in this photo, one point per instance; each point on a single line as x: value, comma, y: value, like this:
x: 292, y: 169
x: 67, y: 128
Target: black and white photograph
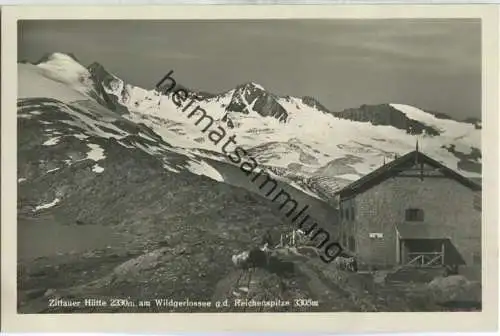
x: 298, y: 165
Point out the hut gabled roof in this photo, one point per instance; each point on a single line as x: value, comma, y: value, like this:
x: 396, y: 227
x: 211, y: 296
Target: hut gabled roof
x: 394, y: 167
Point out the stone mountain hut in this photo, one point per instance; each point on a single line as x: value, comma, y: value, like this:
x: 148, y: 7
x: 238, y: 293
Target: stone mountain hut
x: 412, y: 211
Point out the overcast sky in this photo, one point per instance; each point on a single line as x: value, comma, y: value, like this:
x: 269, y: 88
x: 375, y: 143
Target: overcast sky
x: 432, y: 64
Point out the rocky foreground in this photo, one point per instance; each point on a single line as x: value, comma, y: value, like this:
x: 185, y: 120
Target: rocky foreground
x: 133, y: 281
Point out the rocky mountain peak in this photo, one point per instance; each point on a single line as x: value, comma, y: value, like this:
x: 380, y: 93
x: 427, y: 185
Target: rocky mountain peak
x: 252, y: 97
x: 96, y: 67
x: 252, y: 86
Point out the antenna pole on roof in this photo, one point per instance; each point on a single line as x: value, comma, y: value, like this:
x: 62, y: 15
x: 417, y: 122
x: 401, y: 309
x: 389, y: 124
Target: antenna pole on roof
x: 416, y: 152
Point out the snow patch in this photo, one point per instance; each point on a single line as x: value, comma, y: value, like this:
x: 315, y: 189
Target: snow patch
x: 80, y: 136
x: 167, y: 167
x: 142, y: 135
x: 125, y: 145
x: 203, y: 168
x: 96, y: 152
x: 47, y: 205
x: 92, y: 126
x: 21, y: 179
x: 52, y: 141
x: 98, y: 169
x: 351, y: 177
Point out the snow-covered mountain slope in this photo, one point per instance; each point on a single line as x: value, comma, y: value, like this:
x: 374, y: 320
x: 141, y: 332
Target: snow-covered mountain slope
x: 33, y: 82
x: 62, y: 97
x: 67, y: 70
x: 297, y: 139
x: 58, y: 136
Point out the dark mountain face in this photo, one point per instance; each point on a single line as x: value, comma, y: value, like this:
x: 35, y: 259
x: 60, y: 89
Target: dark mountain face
x: 251, y: 95
x: 474, y: 121
x: 313, y: 102
x: 439, y: 115
x: 100, y: 74
x: 386, y: 115
x: 103, y: 79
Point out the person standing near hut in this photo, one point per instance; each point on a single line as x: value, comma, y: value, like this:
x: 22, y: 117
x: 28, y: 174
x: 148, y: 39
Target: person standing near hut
x: 267, y: 239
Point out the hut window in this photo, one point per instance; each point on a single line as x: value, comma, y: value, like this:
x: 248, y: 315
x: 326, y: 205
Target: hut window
x: 414, y: 215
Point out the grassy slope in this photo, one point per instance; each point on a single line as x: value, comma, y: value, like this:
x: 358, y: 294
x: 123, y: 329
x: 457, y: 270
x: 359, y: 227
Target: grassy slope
x: 324, y: 214
x: 200, y: 219
x: 147, y: 206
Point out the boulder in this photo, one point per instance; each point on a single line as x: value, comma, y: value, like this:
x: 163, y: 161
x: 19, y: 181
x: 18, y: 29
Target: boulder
x: 455, y: 288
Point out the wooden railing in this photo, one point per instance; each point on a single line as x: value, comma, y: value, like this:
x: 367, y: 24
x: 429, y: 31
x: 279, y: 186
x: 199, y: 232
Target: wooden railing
x: 425, y: 259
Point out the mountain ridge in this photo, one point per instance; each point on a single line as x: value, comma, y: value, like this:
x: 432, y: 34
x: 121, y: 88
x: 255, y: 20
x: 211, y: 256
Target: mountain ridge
x: 250, y: 110
x: 313, y: 102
